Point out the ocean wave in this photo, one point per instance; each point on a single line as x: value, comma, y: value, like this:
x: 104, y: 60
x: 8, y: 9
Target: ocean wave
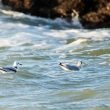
x: 74, y: 44
x: 58, y: 22
x: 14, y: 41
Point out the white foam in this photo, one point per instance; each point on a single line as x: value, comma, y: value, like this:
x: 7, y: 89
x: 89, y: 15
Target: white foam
x: 76, y: 22
x: 58, y: 21
x: 63, y: 22
x: 11, y: 26
x: 42, y: 45
x: 74, y: 44
x: 103, y: 63
x: 4, y: 42
x: 95, y: 35
x: 11, y: 13
x: 18, y: 39
x: 56, y: 33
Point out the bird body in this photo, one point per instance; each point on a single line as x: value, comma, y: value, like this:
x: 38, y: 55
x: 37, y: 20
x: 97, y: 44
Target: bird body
x: 68, y: 67
x: 6, y: 69
x: 10, y: 68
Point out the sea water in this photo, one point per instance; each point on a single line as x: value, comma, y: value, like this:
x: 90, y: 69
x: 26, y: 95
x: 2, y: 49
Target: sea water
x: 40, y: 45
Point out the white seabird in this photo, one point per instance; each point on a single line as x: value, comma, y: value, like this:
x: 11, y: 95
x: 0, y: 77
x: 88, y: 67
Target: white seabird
x: 68, y: 67
x: 10, y: 68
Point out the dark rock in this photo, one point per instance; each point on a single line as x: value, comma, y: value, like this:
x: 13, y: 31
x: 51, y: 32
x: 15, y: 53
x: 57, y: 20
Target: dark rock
x: 96, y: 14
x: 45, y: 8
x: 92, y: 13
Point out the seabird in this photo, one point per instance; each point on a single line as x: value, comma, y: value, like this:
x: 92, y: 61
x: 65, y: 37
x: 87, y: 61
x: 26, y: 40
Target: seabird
x: 68, y: 67
x: 10, y: 68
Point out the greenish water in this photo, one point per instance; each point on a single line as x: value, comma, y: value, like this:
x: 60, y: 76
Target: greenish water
x: 40, y: 84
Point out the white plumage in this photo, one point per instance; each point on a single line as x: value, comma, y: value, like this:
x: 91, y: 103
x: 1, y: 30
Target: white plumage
x: 69, y: 67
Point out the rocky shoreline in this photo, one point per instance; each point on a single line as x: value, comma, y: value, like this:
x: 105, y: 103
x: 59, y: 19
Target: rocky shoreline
x: 92, y: 13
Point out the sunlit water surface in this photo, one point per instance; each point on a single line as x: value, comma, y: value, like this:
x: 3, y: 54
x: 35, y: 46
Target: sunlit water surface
x: 40, y: 84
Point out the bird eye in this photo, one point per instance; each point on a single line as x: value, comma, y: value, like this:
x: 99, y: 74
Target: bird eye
x: 19, y: 64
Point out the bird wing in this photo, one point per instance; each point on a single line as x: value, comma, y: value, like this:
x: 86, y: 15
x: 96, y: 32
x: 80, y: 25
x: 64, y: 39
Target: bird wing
x: 2, y: 69
x: 72, y: 67
x: 7, y: 69
x: 69, y: 67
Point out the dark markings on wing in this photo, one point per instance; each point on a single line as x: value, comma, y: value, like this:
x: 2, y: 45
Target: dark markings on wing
x: 72, y: 67
x: 3, y: 69
x: 7, y: 69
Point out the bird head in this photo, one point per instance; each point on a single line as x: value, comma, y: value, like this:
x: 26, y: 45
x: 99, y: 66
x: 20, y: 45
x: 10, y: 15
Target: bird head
x: 60, y: 63
x: 79, y: 63
x: 16, y: 64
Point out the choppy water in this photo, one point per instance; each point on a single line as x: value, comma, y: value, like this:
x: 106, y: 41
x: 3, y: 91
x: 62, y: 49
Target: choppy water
x: 40, y: 84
